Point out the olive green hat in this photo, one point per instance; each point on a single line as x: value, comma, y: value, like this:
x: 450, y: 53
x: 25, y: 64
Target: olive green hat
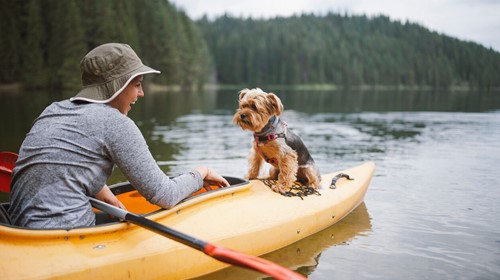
x: 107, y: 70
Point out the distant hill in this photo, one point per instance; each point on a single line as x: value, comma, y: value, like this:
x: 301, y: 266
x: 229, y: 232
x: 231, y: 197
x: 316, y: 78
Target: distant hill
x: 345, y: 51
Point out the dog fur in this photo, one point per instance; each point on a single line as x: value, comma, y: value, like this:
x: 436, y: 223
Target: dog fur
x: 259, y: 112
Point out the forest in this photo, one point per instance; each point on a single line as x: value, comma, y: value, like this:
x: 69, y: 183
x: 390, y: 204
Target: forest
x: 44, y: 42
x: 347, y: 51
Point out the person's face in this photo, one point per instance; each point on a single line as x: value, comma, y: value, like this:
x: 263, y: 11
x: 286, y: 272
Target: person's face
x: 124, y: 101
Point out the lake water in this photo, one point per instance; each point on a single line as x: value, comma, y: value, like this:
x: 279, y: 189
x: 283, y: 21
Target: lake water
x: 432, y: 210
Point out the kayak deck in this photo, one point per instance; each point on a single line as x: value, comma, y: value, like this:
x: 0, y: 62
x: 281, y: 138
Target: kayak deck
x: 249, y: 218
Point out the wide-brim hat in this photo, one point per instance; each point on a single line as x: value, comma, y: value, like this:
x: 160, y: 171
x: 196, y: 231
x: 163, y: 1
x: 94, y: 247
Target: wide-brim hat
x: 107, y: 70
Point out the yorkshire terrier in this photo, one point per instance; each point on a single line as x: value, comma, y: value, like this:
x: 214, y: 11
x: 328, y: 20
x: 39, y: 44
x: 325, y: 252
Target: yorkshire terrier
x: 272, y: 142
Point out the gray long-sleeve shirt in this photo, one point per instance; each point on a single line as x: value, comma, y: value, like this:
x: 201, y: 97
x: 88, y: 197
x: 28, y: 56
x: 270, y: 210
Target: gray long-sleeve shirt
x: 69, y: 154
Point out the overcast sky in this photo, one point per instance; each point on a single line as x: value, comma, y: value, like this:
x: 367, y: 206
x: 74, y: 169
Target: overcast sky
x: 470, y: 20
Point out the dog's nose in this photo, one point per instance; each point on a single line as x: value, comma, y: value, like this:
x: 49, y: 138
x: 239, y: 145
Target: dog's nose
x: 243, y: 116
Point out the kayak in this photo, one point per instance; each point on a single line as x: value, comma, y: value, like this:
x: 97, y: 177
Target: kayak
x: 247, y: 217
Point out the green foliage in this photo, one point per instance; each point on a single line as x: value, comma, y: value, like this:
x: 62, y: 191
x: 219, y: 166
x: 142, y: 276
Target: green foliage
x: 345, y: 51
x: 44, y: 41
x: 68, y: 46
x: 11, y: 42
x: 33, y: 66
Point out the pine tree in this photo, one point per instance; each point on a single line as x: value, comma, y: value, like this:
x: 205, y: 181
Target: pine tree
x: 34, y: 72
x: 10, y: 26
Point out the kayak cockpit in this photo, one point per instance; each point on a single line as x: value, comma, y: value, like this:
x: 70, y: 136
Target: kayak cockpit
x: 136, y: 203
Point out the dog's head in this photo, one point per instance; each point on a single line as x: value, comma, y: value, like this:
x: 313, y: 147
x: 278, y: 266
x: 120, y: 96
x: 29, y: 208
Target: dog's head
x: 256, y: 108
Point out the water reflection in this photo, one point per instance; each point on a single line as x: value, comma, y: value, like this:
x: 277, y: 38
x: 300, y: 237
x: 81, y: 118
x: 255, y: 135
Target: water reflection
x: 18, y: 110
x: 386, y: 101
x: 304, y: 255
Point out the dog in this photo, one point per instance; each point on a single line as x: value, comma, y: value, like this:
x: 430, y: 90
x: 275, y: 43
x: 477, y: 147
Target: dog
x: 259, y: 112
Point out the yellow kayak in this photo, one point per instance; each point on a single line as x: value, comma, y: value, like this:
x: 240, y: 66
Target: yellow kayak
x: 247, y: 217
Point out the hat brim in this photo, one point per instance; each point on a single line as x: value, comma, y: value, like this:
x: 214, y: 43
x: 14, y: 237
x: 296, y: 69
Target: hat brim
x: 100, y: 93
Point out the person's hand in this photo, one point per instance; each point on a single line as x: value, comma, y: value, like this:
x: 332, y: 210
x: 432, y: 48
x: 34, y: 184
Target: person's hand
x: 107, y: 196
x: 211, y: 178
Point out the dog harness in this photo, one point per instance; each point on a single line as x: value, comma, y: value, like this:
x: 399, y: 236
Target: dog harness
x: 267, y: 134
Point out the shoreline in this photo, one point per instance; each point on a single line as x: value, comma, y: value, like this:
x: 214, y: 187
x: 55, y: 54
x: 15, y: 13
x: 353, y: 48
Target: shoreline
x: 14, y: 88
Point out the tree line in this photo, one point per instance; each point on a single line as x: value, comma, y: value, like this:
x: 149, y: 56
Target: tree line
x: 44, y: 41
x: 346, y: 51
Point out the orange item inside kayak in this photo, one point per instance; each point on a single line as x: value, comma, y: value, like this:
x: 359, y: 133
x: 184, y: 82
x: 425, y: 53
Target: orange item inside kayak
x: 136, y: 203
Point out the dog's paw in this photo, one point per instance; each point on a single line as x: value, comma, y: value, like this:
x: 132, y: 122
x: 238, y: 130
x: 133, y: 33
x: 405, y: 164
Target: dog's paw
x: 280, y: 188
x: 251, y: 175
x: 248, y: 177
x: 315, y: 186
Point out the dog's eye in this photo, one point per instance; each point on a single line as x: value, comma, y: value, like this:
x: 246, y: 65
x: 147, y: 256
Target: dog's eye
x: 250, y: 106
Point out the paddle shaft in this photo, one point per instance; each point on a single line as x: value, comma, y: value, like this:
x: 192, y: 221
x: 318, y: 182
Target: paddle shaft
x: 218, y: 252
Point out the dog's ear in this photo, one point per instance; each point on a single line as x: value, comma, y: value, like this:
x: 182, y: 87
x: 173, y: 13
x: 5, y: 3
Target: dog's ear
x: 276, y: 104
x: 242, y: 93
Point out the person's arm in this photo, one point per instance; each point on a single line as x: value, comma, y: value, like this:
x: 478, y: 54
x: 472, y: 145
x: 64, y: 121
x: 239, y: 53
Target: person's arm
x: 129, y: 151
x: 211, y: 178
x: 107, y: 196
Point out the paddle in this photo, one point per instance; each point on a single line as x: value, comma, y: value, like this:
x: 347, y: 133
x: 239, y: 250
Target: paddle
x: 217, y: 252
x: 7, y: 163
